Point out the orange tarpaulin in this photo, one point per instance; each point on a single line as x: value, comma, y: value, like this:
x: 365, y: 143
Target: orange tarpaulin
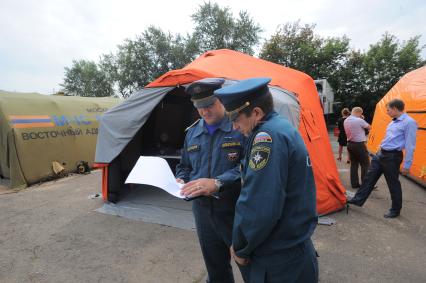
x: 237, y: 66
x: 411, y: 89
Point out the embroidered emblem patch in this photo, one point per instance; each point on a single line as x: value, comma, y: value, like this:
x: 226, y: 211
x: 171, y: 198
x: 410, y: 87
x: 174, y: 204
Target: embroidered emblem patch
x: 231, y: 144
x: 262, y: 137
x: 233, y: 155
x: 259, y: 157
x: 192, y: 148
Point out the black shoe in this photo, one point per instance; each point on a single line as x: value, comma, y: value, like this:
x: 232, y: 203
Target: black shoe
x: 391, y: 214
x: 355, y: 187
x: 354, y: 201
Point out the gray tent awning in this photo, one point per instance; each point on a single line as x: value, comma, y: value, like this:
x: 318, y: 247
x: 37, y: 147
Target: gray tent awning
x: 120, y: 124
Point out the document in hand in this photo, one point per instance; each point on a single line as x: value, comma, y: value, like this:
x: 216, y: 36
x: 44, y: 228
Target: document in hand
x: 155, y: 171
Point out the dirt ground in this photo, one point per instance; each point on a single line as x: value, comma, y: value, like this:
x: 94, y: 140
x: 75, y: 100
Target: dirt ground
x: 51, y: 233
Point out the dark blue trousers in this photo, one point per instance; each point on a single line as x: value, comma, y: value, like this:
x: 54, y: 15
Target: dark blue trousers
x: 298, y: 264
x: 214, y: 221
x: 386, y: 163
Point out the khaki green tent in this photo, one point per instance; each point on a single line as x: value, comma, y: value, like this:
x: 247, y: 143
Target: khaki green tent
x: 38, y: 132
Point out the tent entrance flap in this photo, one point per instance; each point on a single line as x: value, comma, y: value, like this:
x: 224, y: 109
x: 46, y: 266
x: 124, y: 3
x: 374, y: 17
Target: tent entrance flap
x: 162, y: 135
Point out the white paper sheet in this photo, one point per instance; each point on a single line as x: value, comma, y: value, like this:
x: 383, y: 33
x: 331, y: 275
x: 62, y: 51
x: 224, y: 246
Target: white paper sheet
x: 155, y: 171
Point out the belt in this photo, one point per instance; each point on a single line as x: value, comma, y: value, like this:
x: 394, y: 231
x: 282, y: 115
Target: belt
x: 390, y: 151
x: 356, y: 142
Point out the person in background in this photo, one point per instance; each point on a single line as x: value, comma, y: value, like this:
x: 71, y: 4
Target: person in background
x: 209, y: 167
x: 400, y: 135
x: 275, y: 215
x: 358, y: 154
x: 342, y: 139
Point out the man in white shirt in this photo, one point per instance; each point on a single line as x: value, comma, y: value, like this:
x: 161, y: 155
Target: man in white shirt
x: 355, y: 131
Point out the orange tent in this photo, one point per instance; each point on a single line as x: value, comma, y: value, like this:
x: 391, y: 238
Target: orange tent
x: 233, y: 65
x: 411, y: 88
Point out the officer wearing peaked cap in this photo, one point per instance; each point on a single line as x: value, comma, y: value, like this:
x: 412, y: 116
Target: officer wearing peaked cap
x: 275, y: 214
x: 210, y: 167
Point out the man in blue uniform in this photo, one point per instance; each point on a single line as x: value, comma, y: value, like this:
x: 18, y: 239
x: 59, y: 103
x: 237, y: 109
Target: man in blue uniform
x: 210, y: 168
x: 275, y: 214
x: 400, y: 134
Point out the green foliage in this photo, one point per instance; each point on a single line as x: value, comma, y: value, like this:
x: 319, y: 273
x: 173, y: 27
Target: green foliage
x: 298, y: 47
x: 85, y: 79
x: 380, y: 69
x: 359, y: 79
x: 216, y: 28
x: 293, y: 46
x: 153, y: 53
x: 150, y: 55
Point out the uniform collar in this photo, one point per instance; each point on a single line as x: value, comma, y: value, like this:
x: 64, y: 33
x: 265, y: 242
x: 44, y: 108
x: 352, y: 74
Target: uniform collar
x: 265, y: 118
x: 225, y: 125
x: 268, y: 116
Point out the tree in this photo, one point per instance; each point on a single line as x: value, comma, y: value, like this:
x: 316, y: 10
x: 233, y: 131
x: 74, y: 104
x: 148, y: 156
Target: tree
x: 153, y: 53
x: 350, y: 84
x: 358, y: 79
x: 298, y: 47
x: 384, y: 64
x: 149, y: 56
x: 85, y: 79
x: 216, y: 28
x: 293, y: 46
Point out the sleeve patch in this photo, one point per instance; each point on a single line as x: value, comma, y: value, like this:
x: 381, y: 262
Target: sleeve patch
x: 262, y: 137
x: 259, y: 157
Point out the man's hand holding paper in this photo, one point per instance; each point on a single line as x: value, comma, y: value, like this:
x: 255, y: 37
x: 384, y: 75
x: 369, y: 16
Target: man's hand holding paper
x: 199, y: 187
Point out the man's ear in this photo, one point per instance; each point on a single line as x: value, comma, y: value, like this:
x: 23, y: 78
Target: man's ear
x: 258, y: 112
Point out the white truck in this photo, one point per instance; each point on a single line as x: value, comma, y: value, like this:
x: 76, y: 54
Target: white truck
x: 326, y: 95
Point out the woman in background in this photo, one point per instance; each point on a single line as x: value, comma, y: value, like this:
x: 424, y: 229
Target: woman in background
x: 342, y: 139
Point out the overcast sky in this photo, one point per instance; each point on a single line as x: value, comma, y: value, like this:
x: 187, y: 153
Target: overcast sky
x: 39, y: 38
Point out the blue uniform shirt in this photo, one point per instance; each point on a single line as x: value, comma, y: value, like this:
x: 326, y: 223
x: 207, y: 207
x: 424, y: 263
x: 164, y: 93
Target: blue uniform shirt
x: 276, y: 209
x: 401, y: 134
x: 211, y: 156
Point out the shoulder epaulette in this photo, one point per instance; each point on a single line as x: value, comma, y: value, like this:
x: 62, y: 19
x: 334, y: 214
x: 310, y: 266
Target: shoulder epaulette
x: 192, y: 125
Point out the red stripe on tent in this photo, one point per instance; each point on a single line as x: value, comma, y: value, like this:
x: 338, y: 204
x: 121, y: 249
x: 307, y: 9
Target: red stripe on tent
x: 34, y: 125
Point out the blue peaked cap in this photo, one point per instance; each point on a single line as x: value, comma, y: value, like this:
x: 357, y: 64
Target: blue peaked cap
x: 202, y: 91
x: 238, y: 96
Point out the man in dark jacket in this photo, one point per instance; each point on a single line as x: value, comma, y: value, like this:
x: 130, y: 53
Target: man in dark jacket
x: 275, y: 215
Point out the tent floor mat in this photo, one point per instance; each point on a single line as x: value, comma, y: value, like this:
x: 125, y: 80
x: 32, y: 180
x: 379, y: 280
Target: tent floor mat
x: 152, y: 205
